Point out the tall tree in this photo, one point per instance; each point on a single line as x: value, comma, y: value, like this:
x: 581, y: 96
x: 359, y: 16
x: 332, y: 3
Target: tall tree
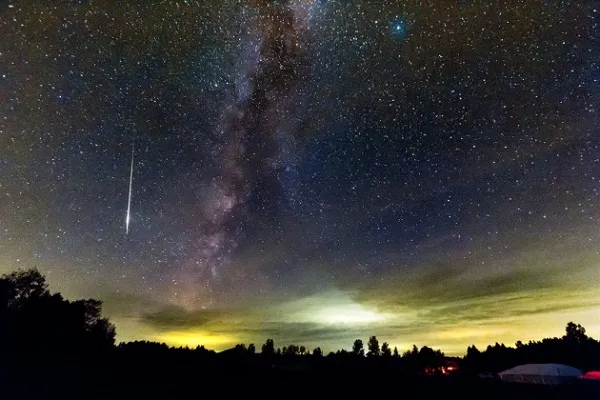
x: 373, y: 346
x: 268, y: 349
x: 575, y: 333
x: 385, y: 350
x: 358, y: 347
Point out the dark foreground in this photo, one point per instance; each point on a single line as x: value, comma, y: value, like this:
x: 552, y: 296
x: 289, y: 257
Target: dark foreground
x: 28, y: 378
x: 288, y: 385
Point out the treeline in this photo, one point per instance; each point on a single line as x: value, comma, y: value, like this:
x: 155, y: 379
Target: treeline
x: 415, y: 361
x: 34, y: 320
x: 575, y: 348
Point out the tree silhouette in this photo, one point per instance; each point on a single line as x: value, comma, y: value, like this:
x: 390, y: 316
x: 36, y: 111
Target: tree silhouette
x: 99, y: 330
x: 302, y: 350
x: 33, y: 318
x: 291, y: 350
x: 373, y: 346
x: 358, y: 348
x: 575, y: 333
x: 251, y: 348
x: 268, y: 349
x: 145, y: 346
x: 23, y: 286
x: 385, y: 350
x: 473, y: 360
x: 575, y: 348
x: 317, y: 352
x: 429, y: 358
x: 425, y: 359
x: 396, y: 354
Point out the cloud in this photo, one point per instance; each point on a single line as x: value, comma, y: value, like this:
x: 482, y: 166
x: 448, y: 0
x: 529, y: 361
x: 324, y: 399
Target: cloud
x: 124, y: 304
x: 529, y: 268
x: 174, y: 317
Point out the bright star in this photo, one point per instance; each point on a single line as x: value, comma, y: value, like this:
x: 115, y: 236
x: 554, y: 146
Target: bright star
x: 399, y: 28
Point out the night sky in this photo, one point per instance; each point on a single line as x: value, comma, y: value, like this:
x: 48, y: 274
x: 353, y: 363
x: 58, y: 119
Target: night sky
x: 311, y: 171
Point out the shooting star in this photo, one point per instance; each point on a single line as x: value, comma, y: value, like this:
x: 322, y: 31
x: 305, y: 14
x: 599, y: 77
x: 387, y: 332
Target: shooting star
x: 128, y: 218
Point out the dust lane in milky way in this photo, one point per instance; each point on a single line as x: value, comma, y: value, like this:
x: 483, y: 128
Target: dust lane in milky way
x: 312, y: 171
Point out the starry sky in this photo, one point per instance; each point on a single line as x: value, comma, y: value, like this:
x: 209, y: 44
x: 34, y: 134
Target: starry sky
x: 311, y: 171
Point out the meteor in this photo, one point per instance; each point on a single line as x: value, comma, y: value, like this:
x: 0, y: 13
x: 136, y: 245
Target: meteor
x: 128, y: 217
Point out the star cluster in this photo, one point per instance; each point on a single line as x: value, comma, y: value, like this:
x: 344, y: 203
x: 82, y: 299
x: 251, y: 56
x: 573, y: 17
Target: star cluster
x: 307, y: 170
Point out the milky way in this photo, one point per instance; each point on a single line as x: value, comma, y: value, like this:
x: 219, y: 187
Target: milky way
x: 257, y: 122
x: 311, y: 171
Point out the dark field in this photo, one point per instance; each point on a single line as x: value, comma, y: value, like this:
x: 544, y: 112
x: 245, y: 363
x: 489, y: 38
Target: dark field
x: 146, y: 379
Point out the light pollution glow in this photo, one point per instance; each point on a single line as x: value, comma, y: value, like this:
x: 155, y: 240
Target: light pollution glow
x: 196, y: 338
x: 334, y: 324
x: 445, y: 307
x: 450, y: 306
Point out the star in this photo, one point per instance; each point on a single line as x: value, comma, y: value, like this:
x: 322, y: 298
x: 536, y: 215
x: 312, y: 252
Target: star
x: 399, y: 28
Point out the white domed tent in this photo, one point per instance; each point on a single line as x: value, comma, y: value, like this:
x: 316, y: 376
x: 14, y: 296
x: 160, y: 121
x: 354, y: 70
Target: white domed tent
x: 546, y: 374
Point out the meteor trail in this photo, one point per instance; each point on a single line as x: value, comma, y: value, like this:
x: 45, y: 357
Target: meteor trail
x: 128, y: 218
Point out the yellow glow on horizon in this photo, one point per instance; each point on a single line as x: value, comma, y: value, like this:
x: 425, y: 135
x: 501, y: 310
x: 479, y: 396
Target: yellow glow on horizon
x: 462, y: 333
x: 450, y: 326
x: 194, y: 338
x: 453, y: 338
